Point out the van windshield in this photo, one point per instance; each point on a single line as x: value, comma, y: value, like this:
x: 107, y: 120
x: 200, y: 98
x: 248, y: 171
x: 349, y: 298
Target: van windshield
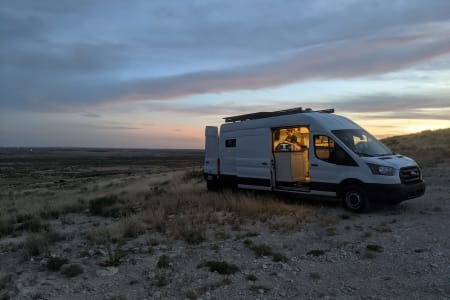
x: 362, y: 143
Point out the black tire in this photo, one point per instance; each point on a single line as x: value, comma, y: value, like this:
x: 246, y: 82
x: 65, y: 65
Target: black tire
x: 355, y: 198
x: 212, y: 185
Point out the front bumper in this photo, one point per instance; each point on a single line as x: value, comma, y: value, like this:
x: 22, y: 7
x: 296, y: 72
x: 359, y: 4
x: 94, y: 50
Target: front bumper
x: 395, y: 193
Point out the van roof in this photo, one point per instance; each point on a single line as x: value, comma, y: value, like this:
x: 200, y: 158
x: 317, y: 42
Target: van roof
x: 317, y: 121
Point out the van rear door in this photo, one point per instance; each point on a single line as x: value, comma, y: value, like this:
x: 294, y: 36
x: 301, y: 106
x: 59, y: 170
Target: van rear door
x: 211, y: 151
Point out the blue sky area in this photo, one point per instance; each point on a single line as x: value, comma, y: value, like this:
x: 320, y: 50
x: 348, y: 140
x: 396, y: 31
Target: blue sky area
x: 152, y: 74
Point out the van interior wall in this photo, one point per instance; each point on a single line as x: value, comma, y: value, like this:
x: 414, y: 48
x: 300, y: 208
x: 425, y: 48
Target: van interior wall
x: 298, y: 162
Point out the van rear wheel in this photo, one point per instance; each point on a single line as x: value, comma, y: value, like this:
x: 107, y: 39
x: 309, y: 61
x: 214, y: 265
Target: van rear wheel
x: 212, y: 185
x: 355, y: 198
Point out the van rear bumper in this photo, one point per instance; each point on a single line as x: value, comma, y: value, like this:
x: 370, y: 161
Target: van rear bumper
x: 395, y: 193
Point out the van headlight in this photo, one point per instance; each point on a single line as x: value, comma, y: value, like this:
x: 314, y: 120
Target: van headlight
x: 381, y: 170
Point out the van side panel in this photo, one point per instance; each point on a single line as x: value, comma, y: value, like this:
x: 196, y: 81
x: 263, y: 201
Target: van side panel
x: 227, y: 153
x: 253, y: 157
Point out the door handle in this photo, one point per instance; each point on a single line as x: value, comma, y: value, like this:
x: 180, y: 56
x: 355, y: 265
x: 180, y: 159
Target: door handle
x: 264, y: 164
x: 314, y: 165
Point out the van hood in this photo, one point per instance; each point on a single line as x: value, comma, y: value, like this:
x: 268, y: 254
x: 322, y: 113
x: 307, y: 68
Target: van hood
x: 396, y: 161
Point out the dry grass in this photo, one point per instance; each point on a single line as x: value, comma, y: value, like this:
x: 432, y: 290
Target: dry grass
x: 221, y: 267
x: 185, y: 210
x: 173, y: 203
x: 427, y: 147
x: 72, y: 270
x: 261, y: 250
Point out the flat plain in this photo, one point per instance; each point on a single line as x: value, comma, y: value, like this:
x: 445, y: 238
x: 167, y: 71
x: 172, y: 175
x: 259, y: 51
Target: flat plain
x: 139, y: 224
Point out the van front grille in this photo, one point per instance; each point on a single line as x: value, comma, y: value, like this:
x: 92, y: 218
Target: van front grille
x: 410, y: 175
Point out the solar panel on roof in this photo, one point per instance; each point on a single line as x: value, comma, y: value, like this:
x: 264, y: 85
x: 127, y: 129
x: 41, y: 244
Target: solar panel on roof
x: 263, y: 114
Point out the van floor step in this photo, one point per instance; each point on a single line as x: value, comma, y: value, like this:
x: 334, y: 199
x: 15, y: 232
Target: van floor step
x: 294, y: 188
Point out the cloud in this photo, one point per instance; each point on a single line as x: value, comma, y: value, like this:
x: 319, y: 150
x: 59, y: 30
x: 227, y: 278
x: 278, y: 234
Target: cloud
x: 374, y: 106
x: 108, y: 127
x: 90, y: 115
x: 341, y: 60
x: 103, y: 52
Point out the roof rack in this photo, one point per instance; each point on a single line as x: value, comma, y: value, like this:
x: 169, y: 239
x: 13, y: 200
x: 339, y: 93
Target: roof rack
x: 264, y: 114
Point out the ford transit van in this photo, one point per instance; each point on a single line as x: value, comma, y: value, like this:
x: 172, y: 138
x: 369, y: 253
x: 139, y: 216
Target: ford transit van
x: 310, y: 153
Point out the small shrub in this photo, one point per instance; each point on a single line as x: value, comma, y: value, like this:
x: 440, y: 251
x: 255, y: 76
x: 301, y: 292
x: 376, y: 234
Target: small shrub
x: 261, y: 250
x: 55, y: 263
x: 221, y: 267
x: 158, y: 190
x: 132, y: 228
x: 35, y: 245
x: 49, y: 214
x: 99, y: 205
x: 5, y: 282
x: 437, y: 209
x: 72, y: 270
x: 33, y: 224
x: 236, y: 227
x: 54, y: 237
x: 193, y: 175
x: 265, y: 250
x: 367, y: 234
x: 114, y: 257
x: 278, y: 257
x: 76, y: 207
x: 163, y: 262
x: 316, y: 252
x: 331, y: 231
x: 190, y: 295
x: 383, y: 229
x: 375, y: 248
x: 192, y: 236
x: 248, y: 243
x: 251, y: 277
x: 6, y: 227
x: 344, y: 216
x: 314, y: 275
x: 161, y: 280
x: 221, y: 235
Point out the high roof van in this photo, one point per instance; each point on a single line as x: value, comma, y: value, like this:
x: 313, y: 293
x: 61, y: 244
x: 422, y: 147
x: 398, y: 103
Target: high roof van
x: 309, y: 153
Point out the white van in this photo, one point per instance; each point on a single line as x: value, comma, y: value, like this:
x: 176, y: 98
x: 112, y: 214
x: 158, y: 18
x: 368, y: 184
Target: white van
x: 307, y: 152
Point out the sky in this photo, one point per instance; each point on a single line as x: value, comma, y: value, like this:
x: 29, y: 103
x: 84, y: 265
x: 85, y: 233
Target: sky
x: 153, y: 74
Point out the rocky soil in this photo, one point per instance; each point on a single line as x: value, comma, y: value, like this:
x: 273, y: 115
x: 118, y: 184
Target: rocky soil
x: 400, y: 252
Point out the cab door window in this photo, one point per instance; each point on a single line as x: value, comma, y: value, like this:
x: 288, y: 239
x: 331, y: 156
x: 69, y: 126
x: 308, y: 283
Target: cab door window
x: 326, y: 149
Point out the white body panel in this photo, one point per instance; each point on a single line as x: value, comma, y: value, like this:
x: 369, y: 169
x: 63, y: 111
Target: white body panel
x: 249, y: 155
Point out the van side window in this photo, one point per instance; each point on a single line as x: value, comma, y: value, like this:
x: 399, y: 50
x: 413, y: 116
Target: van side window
x: 231, y: 143
x: 326, y: 149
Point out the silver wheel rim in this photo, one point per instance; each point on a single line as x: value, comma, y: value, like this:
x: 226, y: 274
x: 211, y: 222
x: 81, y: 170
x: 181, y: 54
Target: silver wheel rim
x: 353, y: 200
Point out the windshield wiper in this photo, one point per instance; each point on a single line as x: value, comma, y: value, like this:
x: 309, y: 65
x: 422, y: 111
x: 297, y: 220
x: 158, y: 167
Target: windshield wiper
x: 386, y: 154
x: 363, y: 154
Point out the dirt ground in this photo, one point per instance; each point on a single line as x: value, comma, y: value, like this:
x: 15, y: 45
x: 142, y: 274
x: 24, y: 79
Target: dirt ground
x: 400, y: 252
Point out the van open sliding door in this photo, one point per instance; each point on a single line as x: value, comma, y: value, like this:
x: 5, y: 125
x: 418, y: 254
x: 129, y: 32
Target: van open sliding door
x: 291, y: 156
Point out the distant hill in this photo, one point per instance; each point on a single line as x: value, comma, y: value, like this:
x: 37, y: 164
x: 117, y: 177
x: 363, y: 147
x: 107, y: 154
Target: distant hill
x: 427, y: 147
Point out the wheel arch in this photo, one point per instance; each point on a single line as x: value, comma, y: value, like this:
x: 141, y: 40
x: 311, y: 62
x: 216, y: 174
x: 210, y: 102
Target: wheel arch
x: 346, y: 182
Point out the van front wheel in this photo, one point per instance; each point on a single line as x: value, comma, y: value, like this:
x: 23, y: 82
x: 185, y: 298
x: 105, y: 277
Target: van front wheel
x: 355, y: 198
